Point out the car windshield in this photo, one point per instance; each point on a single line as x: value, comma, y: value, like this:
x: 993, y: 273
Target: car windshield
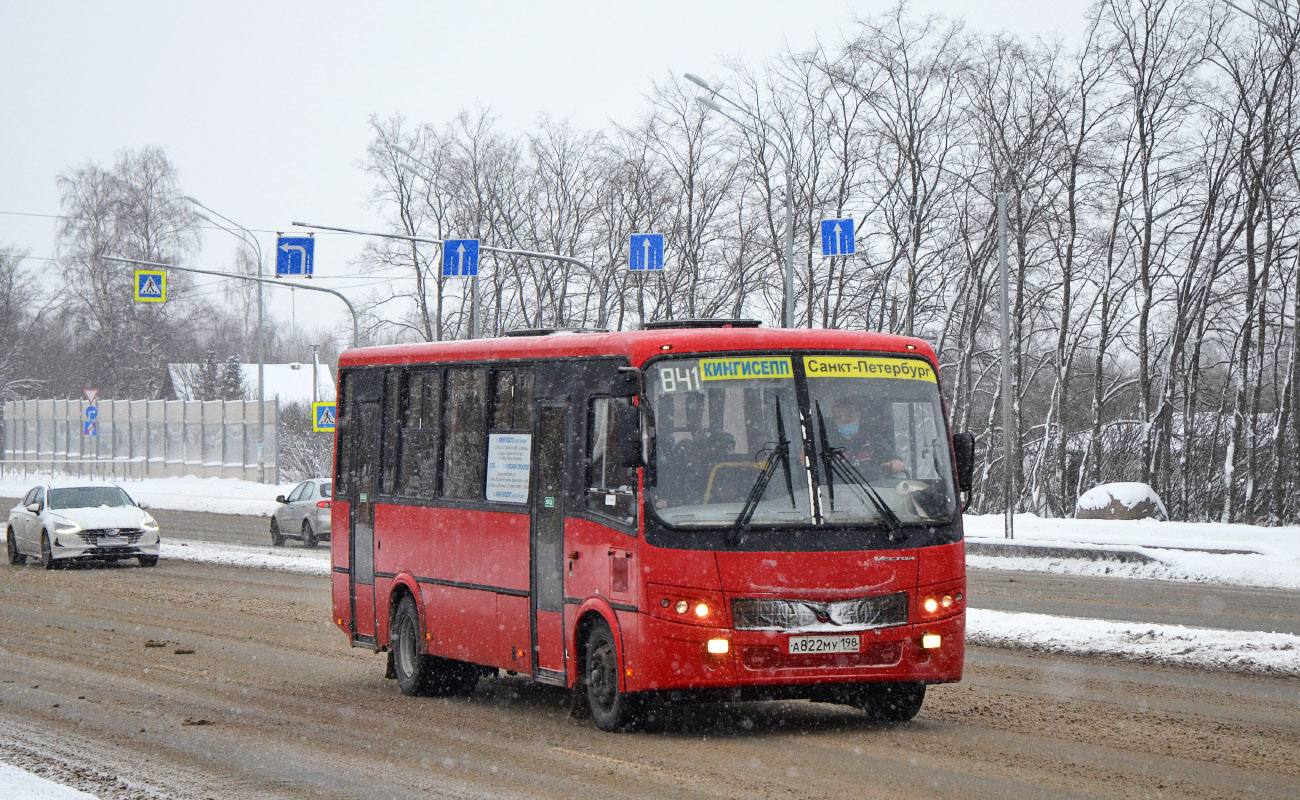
x: 88, y: 497
x: 864, y: 431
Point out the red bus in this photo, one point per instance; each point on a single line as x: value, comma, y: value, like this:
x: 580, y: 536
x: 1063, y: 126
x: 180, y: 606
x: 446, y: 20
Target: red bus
x: 707, y: 507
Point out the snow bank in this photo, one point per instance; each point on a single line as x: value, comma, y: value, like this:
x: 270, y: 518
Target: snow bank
x: 22, y: 785
x: 1129, y: 500
x: 288, y: 559
x: 1237, y: 651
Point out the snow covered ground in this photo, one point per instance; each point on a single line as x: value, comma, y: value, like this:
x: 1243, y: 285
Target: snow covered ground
x: 19, y: 784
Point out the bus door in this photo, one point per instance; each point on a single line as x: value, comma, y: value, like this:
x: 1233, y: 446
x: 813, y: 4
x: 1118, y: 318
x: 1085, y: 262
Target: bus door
x: 366, y: 416
x: 550, y: 446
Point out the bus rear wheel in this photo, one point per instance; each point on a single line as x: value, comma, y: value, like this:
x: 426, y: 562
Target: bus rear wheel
x: 613, y: 710
x: 890, y: 702
x: 419, y: 674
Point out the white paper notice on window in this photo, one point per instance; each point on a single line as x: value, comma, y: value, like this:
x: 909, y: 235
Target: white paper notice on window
x: 509, y: 459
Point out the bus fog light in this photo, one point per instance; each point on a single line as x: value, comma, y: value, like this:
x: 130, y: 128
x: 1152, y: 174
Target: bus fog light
x: 719, y: 647
x: 930, y: 641
x: 931, y: 605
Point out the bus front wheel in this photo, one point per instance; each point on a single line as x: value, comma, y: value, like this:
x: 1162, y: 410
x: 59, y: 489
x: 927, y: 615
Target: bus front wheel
x: 613, y: 710
x: 890, y: 702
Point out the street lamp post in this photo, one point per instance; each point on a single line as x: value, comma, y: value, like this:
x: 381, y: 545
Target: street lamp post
x: 249, y: 238
x: 711, y: 104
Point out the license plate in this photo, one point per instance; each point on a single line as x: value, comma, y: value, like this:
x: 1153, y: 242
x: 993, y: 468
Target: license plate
x: 112, y: 541
x: 803, y: 645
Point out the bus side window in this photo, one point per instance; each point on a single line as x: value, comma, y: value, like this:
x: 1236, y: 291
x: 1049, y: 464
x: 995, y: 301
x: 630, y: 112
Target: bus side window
x: 343, y: 440
x: 611, y: 487
x: 420, y: 398
x: 512, y: 400
x: 392, y: 412
x: 464, y: 443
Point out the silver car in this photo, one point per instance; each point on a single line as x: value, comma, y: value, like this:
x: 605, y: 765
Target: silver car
x: 60, y: 523
x: 304, y: 514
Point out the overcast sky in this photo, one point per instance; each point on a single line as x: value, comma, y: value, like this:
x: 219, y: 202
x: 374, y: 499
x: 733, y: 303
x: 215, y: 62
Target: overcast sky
x: 263, y: 107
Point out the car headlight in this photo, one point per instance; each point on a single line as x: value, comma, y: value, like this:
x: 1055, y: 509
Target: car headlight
x: 149, y: 523
x: 66, y: 526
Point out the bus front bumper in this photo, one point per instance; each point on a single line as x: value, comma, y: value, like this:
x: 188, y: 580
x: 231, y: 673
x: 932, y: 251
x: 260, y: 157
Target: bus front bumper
x: 678, y: 656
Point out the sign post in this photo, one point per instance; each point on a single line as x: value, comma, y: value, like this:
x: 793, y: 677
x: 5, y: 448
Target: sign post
x: 90, y: 426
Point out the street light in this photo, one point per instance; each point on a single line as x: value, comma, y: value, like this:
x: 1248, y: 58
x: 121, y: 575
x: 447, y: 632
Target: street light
x: 249, y: 239
x: 710, y: 104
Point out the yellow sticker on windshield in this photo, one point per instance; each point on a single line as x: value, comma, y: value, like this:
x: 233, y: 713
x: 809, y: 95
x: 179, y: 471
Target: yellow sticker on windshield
x: 860, y: 367
x: 745, y: 368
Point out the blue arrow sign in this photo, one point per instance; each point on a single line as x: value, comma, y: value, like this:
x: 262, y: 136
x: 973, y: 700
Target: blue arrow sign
x: 92, y: 413
x: 89, y: 428
x: 323, y: 418
x: 837, y: 237
x: 460, y: 257
x: 646, y: 251
x: 294, y: 255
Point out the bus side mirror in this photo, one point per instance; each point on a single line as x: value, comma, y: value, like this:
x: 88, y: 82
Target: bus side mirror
x: 627, y: 382
x: 627, y: 423
x: 963, y: 445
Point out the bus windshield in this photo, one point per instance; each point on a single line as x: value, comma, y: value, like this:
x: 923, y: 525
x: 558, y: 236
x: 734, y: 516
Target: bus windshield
x: 867, y: 442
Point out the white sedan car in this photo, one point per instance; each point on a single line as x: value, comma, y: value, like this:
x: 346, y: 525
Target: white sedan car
x: 57, y: 523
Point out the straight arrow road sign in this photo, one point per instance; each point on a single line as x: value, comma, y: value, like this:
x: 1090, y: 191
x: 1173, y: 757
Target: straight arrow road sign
x: 837, y: 237
x: 646, y: 251
x: 460, y: 258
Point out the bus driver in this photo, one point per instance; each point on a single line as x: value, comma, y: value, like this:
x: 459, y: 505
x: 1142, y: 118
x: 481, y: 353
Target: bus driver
x: 866, y: 439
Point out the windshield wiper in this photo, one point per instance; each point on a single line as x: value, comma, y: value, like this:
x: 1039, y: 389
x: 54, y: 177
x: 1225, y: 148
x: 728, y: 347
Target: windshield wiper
x: 833, y: 458
x: 782, y: 452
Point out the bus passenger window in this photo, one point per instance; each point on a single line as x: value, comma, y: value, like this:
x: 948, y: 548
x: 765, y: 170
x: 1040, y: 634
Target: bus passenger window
x: 611, y: 487
x: 419, y: 396
x: 464, y: 444
x: 512, y: 400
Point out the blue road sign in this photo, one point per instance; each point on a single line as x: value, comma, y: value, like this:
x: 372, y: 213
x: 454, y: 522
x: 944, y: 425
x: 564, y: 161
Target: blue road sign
x: 322, y: 416
x: 837, y: 237
x: 150, y: 286
x: 89, y: 428
x: 92, y: 412
x: 294, y: 255
x: 460, y: 257
x: 646, y: 251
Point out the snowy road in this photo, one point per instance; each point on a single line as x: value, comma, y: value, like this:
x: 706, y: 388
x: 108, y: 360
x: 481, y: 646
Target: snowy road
x: 272, y: 703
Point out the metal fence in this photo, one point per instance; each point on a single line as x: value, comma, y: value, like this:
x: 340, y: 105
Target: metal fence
x: 137, y: 439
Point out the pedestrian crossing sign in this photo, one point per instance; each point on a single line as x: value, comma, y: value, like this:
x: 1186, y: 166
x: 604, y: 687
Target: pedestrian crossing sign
x: 322, y: 417
x: 150, y: 286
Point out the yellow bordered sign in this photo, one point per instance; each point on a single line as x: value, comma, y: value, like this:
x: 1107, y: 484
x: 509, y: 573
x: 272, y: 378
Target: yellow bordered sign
x: 323, y: 417
x: 150, y: 286
x: 862, y: 367
x: 746, y: 368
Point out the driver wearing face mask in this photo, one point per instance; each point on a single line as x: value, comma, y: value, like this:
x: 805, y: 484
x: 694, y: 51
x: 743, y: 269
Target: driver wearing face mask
x: 868, y: 442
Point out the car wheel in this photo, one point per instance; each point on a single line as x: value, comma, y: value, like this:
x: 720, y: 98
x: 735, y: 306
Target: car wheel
x: 890, y: 702
x: 612, y: 709
x: 308, y: 534
x: 11, y: 545
x: 277, y: 540
x: 148, y: 561
x: 47, y: 553
x: 16, y: 558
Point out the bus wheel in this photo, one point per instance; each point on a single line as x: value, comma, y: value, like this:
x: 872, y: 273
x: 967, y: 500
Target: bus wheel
x: 890, y: 702
x: 411, y: 665
x: 423, y: 675
x: 612, y: 709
